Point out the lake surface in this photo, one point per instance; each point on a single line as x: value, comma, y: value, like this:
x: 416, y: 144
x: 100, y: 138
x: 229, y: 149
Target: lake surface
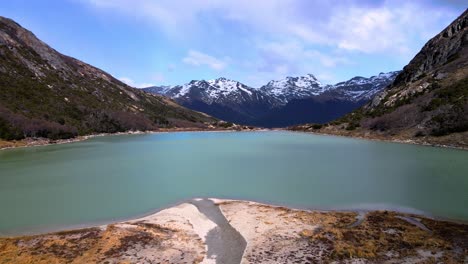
x: 119, y: 177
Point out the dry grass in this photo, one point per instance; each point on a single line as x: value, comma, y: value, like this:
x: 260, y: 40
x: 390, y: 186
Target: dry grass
x: 12, y: 144
x: 383, y: 232
x: 382, y: 236
x: 113, y: 245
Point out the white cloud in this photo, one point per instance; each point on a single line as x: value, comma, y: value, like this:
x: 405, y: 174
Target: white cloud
x: 293, y: 58
x: 308, y: 34
x: 327, y: 77
x: 349, y: 25
x: 291, y: 37
x: 330, y: 61
x: 196, y: 58
x: 132, y: 83
x: 383, y: 29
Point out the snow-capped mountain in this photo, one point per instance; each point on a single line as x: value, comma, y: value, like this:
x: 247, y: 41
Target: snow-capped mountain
x: 361, y: 88
x: 158, y: 89
x: 280, y: 102
x: 223, y: 98
x: 294, y: 88
x: 220, y: 91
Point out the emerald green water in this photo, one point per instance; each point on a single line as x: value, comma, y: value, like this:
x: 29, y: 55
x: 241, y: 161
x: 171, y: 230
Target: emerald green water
x: 118, y: 177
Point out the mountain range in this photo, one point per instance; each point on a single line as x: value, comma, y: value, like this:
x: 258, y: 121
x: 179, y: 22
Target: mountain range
x: 47, y: 94
x: 427, y: 102
x: 289, y: 101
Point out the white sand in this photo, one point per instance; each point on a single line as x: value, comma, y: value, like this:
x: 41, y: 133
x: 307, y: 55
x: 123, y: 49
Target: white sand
x: 184, y: 217
x: 260, y: 225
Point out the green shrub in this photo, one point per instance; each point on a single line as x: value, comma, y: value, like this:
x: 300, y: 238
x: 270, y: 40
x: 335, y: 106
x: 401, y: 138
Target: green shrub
x: 419, y: 134
x: 351, y: 126
x: 9, y: 133
x: 225, y: 124
x: 432, y: 105
x: 317, y: 126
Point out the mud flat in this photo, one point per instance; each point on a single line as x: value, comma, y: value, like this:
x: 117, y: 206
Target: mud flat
x: 192, y: 232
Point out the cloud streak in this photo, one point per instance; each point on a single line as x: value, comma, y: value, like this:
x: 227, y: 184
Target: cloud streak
x: 348, y: 25
x: 132, y: 83
x: 196, y: 58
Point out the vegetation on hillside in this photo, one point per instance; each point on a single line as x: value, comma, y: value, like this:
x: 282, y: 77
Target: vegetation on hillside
x: 46, y: 94
x: 427, y: 102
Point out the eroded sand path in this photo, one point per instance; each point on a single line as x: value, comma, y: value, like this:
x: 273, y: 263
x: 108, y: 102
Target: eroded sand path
x: 225, y: 244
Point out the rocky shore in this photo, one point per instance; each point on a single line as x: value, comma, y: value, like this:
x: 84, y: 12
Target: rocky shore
x: 455, y: 140
x: 228, y: 231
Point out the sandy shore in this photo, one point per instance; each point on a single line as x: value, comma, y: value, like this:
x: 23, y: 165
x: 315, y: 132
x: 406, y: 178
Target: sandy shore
x: 230, y: 231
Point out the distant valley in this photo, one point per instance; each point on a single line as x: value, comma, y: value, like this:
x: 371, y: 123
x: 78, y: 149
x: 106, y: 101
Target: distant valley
x: 285, y: 102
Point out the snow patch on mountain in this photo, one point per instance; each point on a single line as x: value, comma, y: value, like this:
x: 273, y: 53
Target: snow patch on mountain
x: 294, y: 88
x: 276, y: 92
x: 361, y: 88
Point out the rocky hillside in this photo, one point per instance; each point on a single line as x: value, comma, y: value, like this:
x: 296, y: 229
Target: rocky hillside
x: 427, y: 102
x: 289, y: 101
x: 47, y: 94
x: 359, y: 88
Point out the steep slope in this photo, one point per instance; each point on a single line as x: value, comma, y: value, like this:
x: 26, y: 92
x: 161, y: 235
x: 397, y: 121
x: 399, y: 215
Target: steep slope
x: 427, y: 102
x: 290, y: 101
x: 47, y: 94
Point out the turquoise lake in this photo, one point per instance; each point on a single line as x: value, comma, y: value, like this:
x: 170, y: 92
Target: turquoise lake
x: 111, y: 178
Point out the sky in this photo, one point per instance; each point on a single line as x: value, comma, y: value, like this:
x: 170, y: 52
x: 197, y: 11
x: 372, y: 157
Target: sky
x: 171, y: 42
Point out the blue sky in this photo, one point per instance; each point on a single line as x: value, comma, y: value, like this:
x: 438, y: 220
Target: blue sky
x: 167, y: 42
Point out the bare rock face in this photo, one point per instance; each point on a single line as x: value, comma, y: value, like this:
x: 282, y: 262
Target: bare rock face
x: 17, y: 37
x: 450, y: 44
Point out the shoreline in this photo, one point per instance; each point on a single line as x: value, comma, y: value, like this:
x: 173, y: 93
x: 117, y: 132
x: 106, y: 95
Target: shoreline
x: 39, y: 142
x: 210, y: 230
x: 352, y: 209
x: 29, y: 142
x: 377, y: 139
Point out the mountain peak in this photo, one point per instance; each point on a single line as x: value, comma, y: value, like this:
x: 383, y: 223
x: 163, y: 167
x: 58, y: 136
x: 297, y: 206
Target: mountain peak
x: 294, y: 87
x: 361, y: 88
x: 308, y: 76
x: 312, y: 76
x: 10, y: 22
